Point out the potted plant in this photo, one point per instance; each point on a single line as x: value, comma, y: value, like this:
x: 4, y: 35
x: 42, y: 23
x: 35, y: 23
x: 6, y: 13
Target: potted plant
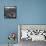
x: 11, y: 37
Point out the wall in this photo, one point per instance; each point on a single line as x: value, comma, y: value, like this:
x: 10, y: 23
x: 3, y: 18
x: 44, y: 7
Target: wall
x: 28, y: 12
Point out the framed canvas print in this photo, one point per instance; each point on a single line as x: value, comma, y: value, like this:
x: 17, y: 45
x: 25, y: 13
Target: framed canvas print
x: 10, y: 12
x: 32, y: 32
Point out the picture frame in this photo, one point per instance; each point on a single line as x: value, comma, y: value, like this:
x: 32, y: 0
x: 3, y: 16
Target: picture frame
x: 10, y: 12
x: 33, y: 32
